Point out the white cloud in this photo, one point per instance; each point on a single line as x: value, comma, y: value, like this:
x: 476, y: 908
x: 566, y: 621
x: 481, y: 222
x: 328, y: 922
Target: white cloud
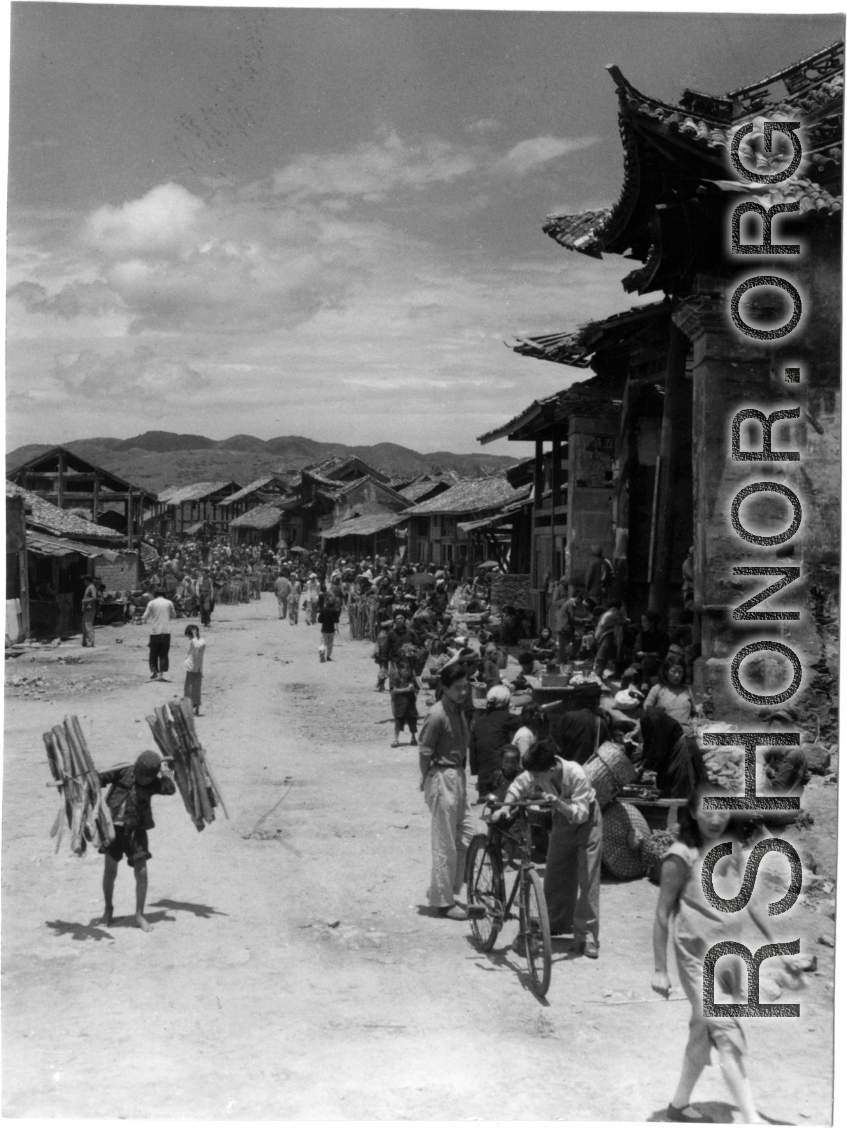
x: 372, y: 170
x: 142, y: 374
x: 535, y: 151
x: 162, y: 220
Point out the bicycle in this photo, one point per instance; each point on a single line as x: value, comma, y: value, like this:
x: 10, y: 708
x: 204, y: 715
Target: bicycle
x: 487, y: 889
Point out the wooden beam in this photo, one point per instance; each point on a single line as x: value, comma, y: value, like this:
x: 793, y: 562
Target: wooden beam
x: 666, y: 472
x: 60, y: 485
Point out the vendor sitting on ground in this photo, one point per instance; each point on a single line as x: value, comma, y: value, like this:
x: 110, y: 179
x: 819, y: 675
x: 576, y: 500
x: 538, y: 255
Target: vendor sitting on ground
x: 544, y: 648
x: 673, y: 695
x: 663, y: 748
x: 529, y: 674
x: 650, y: 649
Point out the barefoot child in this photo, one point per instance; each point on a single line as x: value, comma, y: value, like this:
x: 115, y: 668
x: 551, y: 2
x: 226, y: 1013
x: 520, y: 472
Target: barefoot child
x: 129, y: 803
x: 193, y: 664
x: 404, y: 688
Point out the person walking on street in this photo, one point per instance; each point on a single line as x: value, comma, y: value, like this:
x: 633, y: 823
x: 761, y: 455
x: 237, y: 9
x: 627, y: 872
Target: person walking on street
x: 205, y: 592
x: 294, y: 600
x: 312, y: 595
x: 443, y: 756
x: 89, y: 610
x: 158, y: 614
x: 328, y: 619
x: 282, y: 588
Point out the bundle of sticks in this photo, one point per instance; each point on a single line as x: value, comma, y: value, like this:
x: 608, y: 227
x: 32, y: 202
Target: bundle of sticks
x: 78, y: 782
x: 176, y: 737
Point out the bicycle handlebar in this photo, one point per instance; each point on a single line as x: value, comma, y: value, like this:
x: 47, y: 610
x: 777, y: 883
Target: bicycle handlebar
x: 540, y: 803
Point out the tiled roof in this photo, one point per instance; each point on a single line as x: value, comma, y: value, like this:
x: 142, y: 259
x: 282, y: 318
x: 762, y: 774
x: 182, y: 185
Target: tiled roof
x: 57, y: 521
x: 586, y: 397
x: 365, y: 524
x: 239, y: 494
x: 194, y: 492
x: 49, y: 546
x: 76, y: 462
x: 577, y: 347
x: 263, y: 517
x: 468, y: 497
x: 419, y: 488
x: 701, y: 125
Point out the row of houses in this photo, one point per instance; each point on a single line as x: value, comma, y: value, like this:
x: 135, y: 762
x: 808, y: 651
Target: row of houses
x: 68, y: 517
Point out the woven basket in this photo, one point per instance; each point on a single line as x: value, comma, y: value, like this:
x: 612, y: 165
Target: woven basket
x: 608, y: 770
x: 625, y: 832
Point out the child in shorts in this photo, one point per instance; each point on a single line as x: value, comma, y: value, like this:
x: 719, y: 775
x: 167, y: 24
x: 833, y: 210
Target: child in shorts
x: 128, y: 799
x: 404, y: 689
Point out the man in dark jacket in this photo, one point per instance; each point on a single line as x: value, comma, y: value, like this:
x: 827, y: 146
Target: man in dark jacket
x: 129, y: 804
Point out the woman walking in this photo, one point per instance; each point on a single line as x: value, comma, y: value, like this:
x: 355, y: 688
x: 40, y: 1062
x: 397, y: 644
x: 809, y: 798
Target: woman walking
x: 684, y: 912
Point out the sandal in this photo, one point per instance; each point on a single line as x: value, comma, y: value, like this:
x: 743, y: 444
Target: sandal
x: 677, y: 1114
x: 395, y: 744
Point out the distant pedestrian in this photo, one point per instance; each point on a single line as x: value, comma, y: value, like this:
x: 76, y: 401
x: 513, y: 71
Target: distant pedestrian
x: 282, y: 588
x: 294, y: 600
x: 158, y: 614
x: 311, y: 595
x: 193, y: 664
x: 328, y: 619
x: 89, y: 611
x: 205, y: 592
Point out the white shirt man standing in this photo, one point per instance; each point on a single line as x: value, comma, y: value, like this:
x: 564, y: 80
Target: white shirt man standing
x: 158, y: 614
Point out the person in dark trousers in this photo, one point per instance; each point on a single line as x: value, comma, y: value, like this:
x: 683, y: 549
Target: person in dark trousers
x: 328, y: 618
x: 128, y: 799
x: 158, y: 614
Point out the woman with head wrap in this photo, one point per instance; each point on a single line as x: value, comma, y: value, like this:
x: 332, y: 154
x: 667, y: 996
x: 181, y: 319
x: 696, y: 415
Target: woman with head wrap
x: 675, y: 759
x: 491, y: 732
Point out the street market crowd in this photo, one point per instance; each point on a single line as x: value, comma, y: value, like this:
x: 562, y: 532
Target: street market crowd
x: 597, y: 710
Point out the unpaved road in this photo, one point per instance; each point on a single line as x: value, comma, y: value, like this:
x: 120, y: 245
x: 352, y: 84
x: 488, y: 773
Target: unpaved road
x: 293, y: 971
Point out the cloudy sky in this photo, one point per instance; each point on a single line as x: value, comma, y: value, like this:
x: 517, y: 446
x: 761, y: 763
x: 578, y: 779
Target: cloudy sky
x: 320, y: 222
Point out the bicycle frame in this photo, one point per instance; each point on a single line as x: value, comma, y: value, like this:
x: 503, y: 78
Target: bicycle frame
x: 496, y: 835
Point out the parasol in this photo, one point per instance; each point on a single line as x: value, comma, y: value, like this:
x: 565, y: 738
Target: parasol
x: 297, y: 549
x: 489, y: 565
x: 422, y: 579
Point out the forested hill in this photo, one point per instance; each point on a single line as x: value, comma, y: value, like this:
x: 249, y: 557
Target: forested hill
x: 160, y: 459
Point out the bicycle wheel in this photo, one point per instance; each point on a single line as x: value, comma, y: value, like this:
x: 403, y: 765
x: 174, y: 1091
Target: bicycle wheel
x: 485, y: 889
x: 535, y: 928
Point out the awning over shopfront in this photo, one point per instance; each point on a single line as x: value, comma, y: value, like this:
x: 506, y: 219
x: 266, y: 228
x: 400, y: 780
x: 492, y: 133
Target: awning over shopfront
x: 47, y: 546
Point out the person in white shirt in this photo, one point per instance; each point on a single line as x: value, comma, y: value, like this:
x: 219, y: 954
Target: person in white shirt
x: 158, y: 614
x: 193, y: 664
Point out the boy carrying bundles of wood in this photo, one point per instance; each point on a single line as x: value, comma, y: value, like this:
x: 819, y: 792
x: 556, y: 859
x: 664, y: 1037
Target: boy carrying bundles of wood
x: 132, y: 787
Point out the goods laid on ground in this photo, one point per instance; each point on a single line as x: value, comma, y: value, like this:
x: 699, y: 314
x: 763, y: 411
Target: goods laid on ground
x: 608, y: 770
x: 176, y: 737
x: 78, y: 782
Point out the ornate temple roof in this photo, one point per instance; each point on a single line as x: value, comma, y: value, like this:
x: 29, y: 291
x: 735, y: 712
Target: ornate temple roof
x: 672, y: 153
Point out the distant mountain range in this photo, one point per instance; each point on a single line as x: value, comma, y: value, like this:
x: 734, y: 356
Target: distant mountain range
x: 156, y: 460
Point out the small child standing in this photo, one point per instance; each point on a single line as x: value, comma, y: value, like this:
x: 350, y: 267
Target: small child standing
x: 132, y: 814
x: 404, y: 688
x: 193, y: 664
x: 510, y: 766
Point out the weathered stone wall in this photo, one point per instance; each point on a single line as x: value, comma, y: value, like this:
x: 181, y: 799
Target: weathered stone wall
x: 733, y: 372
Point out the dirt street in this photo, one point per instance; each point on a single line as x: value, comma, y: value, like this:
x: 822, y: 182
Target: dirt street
x: 293, y: 970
